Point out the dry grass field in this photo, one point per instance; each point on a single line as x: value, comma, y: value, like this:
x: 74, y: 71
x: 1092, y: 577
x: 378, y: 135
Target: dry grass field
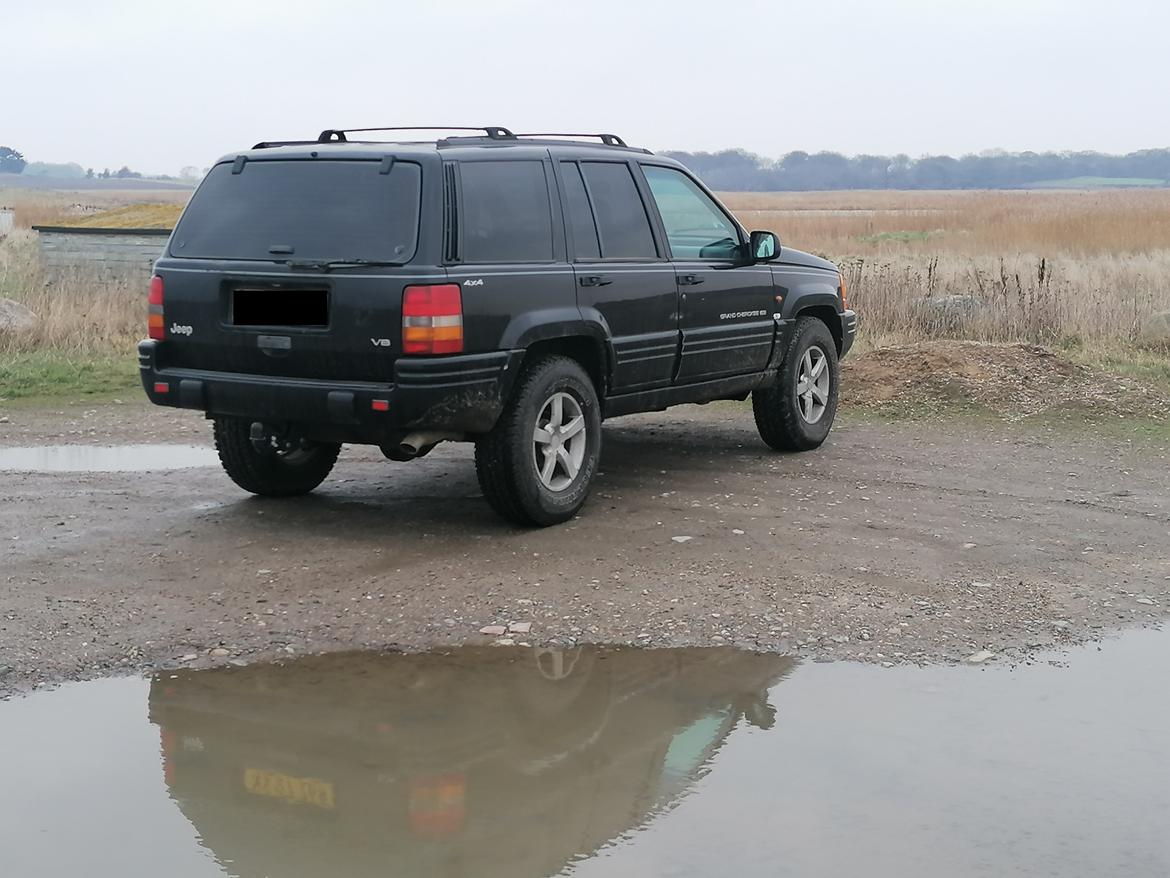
x: 1076, y: 271
x: 42, y: 207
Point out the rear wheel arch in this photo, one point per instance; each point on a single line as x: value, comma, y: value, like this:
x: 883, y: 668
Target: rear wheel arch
x: 589, y: 351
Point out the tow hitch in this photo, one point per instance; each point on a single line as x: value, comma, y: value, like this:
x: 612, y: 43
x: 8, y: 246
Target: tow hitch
x: 267, y: 440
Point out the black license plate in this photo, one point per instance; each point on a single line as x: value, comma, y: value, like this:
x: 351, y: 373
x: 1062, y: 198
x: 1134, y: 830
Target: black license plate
x: 280, y: 307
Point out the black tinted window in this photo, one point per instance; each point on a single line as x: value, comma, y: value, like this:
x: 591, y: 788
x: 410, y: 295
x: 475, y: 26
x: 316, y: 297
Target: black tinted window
x: 622, y: 223
x: 506, y: 215
x: 316, y: 209
x: 578, y: 213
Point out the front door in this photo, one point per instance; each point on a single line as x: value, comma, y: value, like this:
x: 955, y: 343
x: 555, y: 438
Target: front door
x: 726, y: 305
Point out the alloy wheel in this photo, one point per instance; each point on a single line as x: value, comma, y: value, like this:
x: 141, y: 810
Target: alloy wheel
x: 558, y: 441
x: 812, y: 384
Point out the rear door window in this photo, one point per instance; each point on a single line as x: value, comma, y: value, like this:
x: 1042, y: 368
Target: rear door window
x: 579, y: 214
x: 308, y: 209
x: 622, y: 223
x: 505, y: 212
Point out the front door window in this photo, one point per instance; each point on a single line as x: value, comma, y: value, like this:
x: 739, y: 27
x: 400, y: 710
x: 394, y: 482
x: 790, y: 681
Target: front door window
x: 695, y: 226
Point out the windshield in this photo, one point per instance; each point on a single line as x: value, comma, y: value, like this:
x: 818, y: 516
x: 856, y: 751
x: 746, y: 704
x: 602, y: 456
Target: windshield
x: 306, y: 209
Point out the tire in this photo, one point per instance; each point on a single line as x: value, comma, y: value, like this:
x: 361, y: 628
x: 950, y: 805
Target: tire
x: 271, y: 473
x: 789, y: 421
x: 506, y: 459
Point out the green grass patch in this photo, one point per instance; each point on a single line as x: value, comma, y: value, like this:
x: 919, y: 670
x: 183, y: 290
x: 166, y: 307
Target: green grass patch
x: 1146, y: 367
x: 894, y: 237
x: 1075, y: 420
x: 1098, y: 183
x: 56, y: 374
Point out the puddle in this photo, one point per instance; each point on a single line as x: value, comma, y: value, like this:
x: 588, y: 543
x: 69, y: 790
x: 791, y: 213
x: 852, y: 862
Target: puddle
x: 105, y: 459
x: 519, y: 762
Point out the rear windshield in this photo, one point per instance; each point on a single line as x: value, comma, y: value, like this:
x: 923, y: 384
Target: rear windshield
x: 309, y: 209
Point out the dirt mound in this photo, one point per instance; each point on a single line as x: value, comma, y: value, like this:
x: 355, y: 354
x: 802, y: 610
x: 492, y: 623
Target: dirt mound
x: 1013, y: 381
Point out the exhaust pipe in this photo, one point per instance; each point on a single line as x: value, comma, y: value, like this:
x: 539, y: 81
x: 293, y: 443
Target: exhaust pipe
x: 417, y: 444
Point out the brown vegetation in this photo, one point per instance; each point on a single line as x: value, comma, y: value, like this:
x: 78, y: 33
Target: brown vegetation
x: 76, y: 315
x: 1076, y: 269
x: 1079, y: 272
x: 132, y: 216
x: 883, y: 223
x: 35, y: 207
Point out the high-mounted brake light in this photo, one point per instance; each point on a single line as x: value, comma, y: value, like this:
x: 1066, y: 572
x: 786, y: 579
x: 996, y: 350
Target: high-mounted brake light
x: 155, y: 325
x: 432, y: 319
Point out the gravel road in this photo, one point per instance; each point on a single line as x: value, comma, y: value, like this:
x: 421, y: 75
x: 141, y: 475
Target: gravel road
x: 894, y: 543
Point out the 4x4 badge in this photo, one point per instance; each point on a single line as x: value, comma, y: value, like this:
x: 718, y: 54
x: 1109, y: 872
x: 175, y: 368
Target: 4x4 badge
x: 478, y: 282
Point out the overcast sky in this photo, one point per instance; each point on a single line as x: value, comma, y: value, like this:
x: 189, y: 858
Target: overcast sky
x: 158, y: 85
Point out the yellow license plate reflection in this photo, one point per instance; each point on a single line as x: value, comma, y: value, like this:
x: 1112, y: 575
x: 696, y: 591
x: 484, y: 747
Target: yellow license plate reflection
x: 296, y: 790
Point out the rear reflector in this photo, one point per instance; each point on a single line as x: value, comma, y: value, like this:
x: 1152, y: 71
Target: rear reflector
x: 380, y: 405
x: 162, y: 387
x: 155, y: 324
x: 432, y: 319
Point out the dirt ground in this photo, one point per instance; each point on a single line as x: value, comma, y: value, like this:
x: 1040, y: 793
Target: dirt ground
x: 895, y: 542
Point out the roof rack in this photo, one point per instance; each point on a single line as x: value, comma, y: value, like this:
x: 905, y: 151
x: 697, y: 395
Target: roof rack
x: 338, y: 135
x: 607, y: 139
x: 492, y: 132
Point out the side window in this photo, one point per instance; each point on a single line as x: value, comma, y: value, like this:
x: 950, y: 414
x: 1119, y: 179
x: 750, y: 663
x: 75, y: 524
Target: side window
x: 506, y: 215
x: 695, y: 226
x: 579, y: 214
x: 622, y: 224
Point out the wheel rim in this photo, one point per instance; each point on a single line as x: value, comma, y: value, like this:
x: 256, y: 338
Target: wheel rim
x: 559, y: 441
x: 812, y: 384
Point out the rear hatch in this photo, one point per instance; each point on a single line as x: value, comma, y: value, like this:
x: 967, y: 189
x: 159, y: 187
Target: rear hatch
x: 294, y: 267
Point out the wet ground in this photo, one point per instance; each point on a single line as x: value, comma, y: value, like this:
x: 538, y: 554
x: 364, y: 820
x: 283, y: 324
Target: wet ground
x: 519, y: 762
x: 892, y: 544
x: 105, y: 459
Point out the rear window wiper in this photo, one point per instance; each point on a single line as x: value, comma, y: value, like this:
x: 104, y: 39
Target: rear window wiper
x: 331, y: 264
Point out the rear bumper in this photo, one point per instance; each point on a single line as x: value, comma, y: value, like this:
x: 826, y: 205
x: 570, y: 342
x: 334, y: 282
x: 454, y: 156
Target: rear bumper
x: 848, y: 331
x: 457, y: 393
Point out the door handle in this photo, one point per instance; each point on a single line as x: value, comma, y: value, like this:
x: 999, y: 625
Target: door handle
x: 689, y: 280
x: 595, y: 280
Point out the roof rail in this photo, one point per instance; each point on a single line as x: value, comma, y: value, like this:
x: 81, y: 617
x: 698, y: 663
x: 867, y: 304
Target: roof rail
x: 338, y: 135
x: 607, y: 139
x: 269, y: 144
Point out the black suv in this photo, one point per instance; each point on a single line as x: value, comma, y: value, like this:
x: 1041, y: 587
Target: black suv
x: 507, y: 289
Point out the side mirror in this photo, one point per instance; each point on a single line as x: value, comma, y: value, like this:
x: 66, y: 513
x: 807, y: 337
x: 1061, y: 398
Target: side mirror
x: 763, y: 246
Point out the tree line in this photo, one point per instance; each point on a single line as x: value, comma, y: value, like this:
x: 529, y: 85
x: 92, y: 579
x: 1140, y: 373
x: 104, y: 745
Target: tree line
x: 739, y: 170
x: 12, y: 161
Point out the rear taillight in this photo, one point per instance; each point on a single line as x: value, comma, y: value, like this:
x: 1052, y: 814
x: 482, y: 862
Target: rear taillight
x: 432, y: 319
x: 155, y: 325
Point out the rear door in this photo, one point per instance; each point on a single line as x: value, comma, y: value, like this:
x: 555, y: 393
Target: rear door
x: 510, y: 259
x: 726, y: 305
x: 622, y: 279
x: 245, y: 288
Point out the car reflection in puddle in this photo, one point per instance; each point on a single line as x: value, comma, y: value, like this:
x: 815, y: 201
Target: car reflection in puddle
x: 479, y: 761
